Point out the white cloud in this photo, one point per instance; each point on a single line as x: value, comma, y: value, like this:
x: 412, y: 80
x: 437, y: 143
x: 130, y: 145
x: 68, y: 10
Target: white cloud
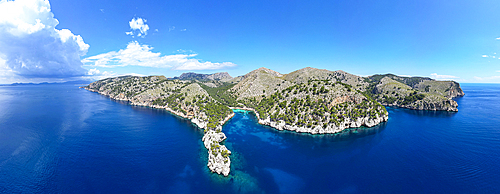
x: 171, y: 28
x: 488, y: 79
x: 498, y: 38
x: 32, y: 47
x: 141, y: 55
x: 138, y: 24
x: 194, y: 64
x: 96, y: 74
x: 183, y: 30
x: 484, y: 56
x: 184, y: 51
x: 436, y: 76
x: 94, y: 71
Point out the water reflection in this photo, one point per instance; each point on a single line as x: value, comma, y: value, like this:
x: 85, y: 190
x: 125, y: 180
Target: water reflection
x: 426, y: 113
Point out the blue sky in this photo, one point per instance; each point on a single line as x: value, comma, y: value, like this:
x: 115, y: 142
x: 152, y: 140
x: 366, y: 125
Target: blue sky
x: 60, y: 40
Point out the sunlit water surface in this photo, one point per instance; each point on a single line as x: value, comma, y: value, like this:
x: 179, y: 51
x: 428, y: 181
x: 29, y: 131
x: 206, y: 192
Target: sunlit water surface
x: 57, y: 138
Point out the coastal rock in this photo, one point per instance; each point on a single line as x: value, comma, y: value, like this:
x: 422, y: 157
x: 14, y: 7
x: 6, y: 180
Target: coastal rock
x: 218, y: 155
x: 424, y: 95
x: 366, y: 121
x: 121, y: 88
x: 308, y: 100
x: 200, y: 123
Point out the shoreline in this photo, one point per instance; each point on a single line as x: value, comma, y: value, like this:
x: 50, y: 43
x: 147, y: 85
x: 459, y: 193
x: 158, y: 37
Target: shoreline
x: 280, y: 125
x: 211, y: 139
x: 218, y: 155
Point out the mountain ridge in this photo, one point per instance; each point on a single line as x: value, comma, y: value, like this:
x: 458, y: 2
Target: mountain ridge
x: 307, y: 100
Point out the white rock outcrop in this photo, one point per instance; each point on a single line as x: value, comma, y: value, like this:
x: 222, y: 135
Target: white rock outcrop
x: 348, y: 123
x: 216, y: 161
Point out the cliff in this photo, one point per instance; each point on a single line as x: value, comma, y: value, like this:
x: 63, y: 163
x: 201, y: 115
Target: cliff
x: 308, y: 100
x: 414, y: 92
x: 183, y: 98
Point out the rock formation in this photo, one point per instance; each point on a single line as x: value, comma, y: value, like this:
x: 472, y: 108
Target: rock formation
x: 308, y: 100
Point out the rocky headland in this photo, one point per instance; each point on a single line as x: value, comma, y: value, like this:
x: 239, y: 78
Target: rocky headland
x: 308, y: 100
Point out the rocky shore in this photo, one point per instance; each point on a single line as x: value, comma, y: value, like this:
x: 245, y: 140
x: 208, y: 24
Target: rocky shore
x: 218, y: 155
x: 348, y: 123
x: 308, y: 100
x: 445, y: 105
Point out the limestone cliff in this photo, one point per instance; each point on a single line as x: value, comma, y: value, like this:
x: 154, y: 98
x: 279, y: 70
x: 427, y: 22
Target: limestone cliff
x: 308, y: 100
x: 182, y: 98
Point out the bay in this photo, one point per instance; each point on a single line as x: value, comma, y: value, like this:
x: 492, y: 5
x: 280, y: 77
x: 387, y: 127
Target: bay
x: 58, y: 138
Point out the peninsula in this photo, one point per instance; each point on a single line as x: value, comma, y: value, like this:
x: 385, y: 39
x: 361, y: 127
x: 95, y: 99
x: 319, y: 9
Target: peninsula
x: 308, y: 100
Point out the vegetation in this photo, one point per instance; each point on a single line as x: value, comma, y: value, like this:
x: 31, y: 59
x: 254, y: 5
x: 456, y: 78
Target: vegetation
x: 310, y: 104
x: 215, y: 111
x: 306, y: 98
x: 222, y: 94
x: 412, y: 98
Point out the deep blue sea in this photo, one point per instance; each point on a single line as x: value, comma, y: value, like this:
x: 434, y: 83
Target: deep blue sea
x: 57, y: 138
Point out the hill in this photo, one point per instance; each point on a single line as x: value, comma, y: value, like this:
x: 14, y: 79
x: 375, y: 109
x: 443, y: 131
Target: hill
x: 308, y: 100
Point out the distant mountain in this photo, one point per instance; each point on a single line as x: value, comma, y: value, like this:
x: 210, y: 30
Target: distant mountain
x: 222, y: 76
x: 308, y: 100
x: 81, y: 82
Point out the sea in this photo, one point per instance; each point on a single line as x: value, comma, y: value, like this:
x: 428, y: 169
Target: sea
x: 59, y: 138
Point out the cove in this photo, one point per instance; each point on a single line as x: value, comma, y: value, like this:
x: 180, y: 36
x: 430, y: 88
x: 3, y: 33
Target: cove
x: 59, y: 138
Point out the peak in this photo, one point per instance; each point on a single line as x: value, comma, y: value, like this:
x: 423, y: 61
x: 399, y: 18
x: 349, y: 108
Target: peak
x: 275, y: 73
x: 309, y: 69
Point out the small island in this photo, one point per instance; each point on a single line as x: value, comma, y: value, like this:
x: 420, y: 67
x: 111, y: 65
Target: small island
x: 308, y: 100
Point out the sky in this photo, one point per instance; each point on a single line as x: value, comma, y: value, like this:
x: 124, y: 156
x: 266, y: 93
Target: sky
x: 61, y: 40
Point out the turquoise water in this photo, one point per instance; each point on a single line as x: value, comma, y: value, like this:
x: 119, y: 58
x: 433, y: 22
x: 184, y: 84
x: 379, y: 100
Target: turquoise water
x: 57, y: 138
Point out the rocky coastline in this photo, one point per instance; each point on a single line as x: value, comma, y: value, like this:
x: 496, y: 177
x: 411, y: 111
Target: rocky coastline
x: 309, y: 100
x: 218, y: 160
x: 348, y: 123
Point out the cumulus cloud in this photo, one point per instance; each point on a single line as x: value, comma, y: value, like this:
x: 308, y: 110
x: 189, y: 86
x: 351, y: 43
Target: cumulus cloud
x: 141, y: 55
x: 96, y: 74
x: 32, y: 47
x: 498, y: 38
x: 436, y: 76
x: 484, y: 56
x: 94, y: 71
x: 139, y: 26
